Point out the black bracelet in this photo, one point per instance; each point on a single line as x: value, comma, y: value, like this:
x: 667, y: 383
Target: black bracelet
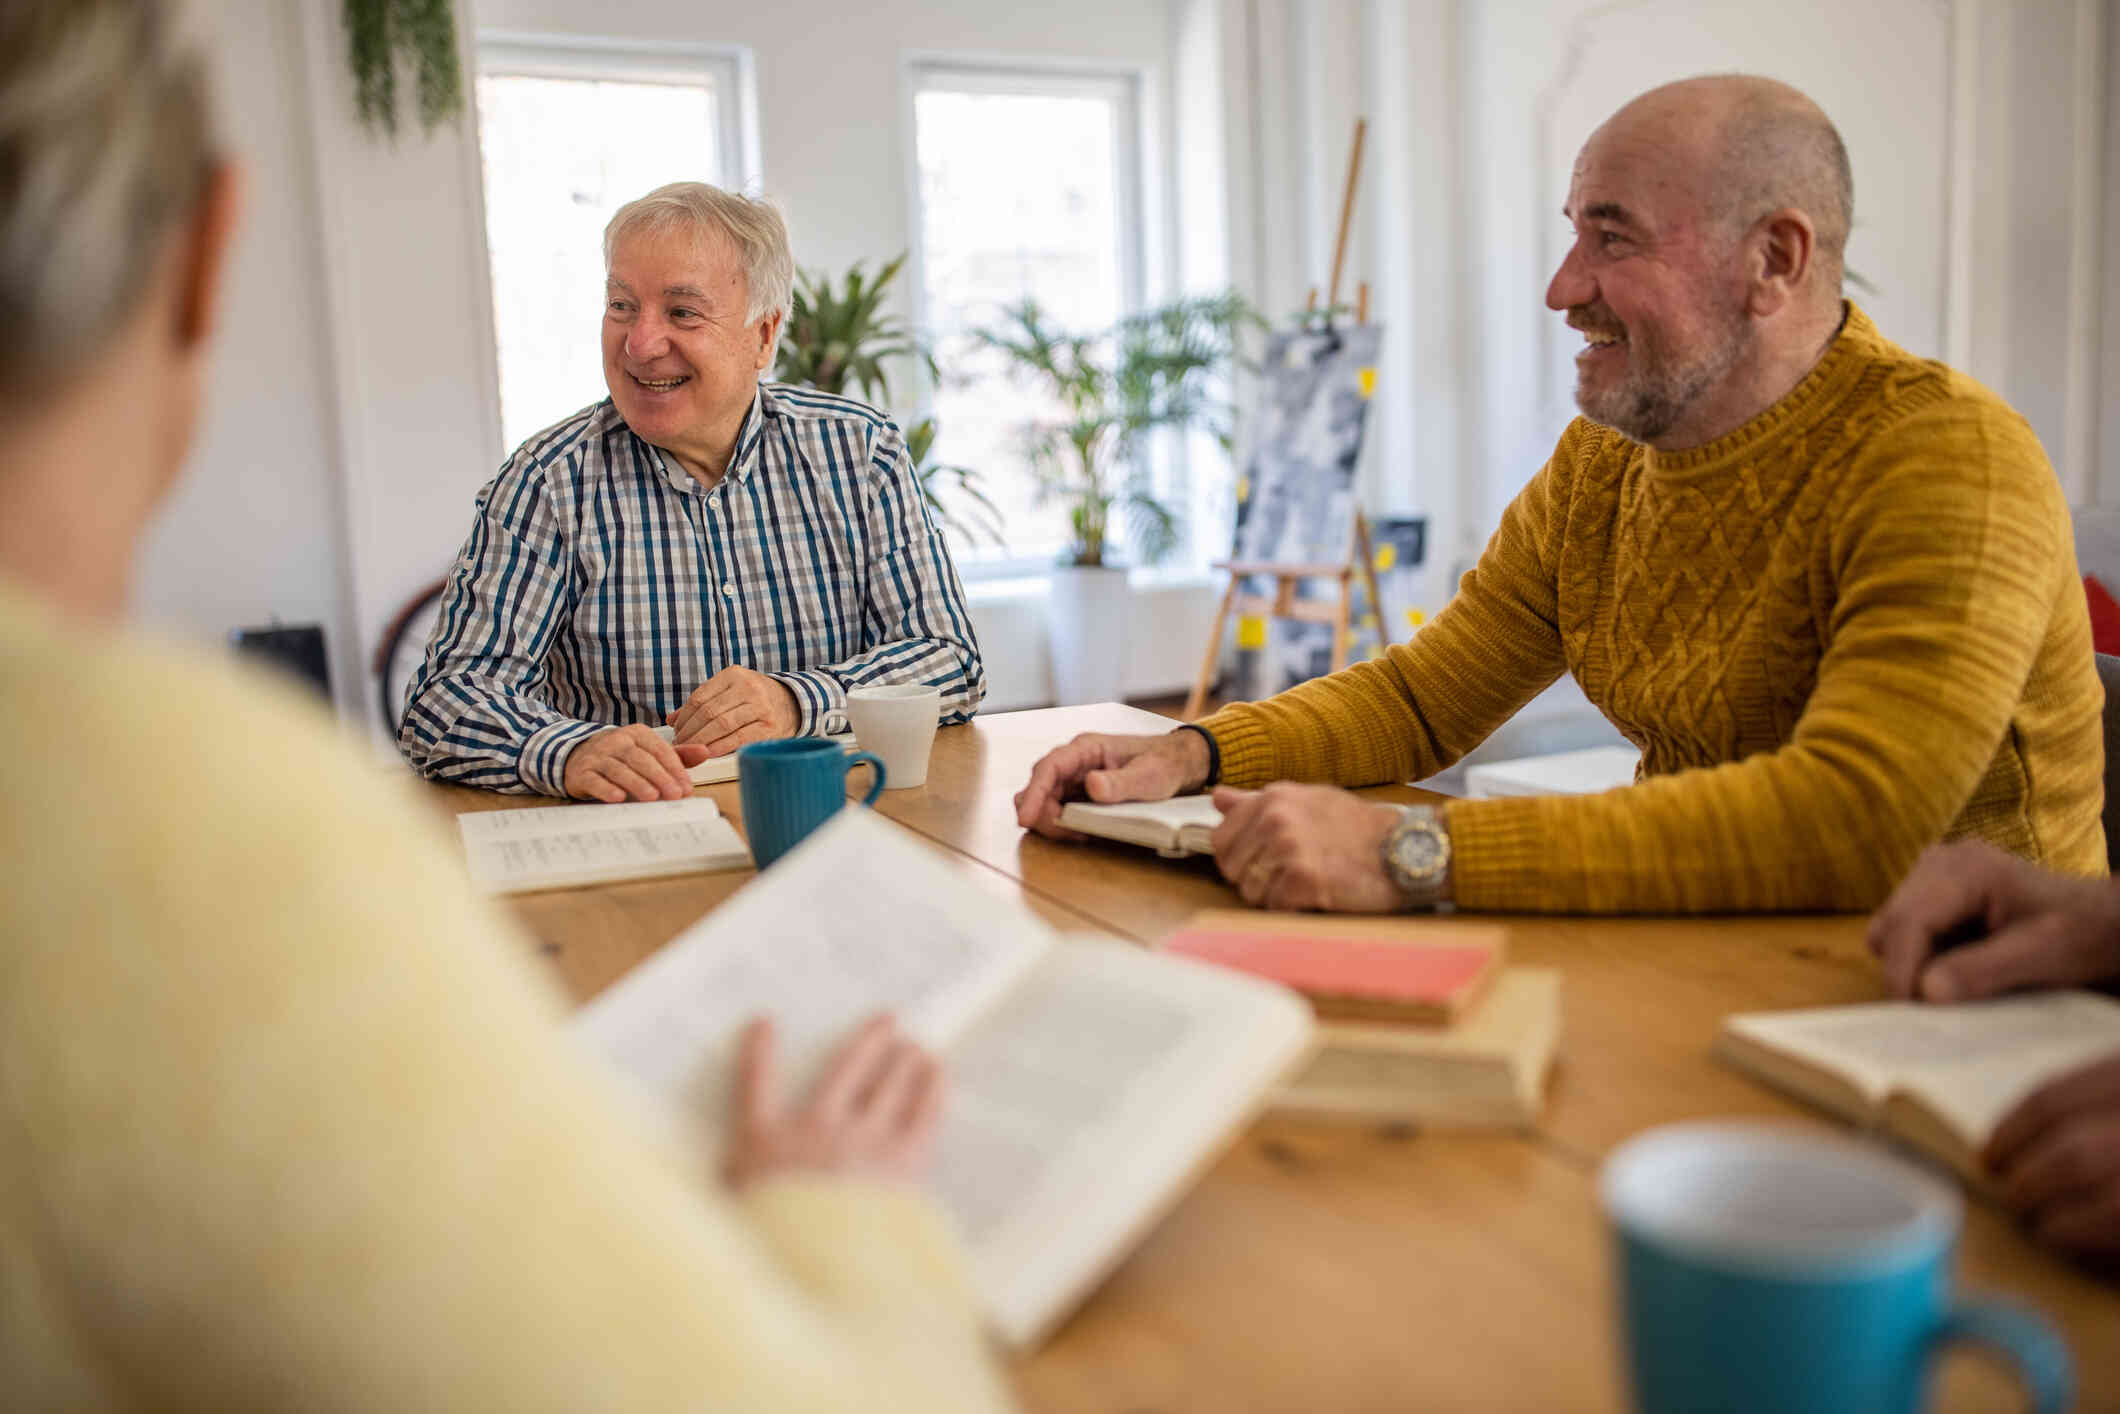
x: 1214, y: 752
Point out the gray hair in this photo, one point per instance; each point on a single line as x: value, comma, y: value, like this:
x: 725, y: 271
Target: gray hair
x: 752, y: 227
x: 106, y: 141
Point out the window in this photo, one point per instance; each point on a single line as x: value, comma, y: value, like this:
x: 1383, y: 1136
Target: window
x: 569, y: 132
x: 1028, y: 186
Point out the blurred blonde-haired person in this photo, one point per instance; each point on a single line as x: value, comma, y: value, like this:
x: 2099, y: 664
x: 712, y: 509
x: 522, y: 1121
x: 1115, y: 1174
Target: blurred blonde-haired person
x: 288, y: 1122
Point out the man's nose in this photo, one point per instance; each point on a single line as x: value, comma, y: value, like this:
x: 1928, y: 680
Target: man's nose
x: 647, y: 339
x: 1571, y: 285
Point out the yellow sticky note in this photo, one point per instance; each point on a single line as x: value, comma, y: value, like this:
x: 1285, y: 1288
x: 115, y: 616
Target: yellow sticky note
x: 1367, y: 378
x: 1387, y: 556
x: 1415, y: 617
x: 1243, y: 488
x: 1251, y: 631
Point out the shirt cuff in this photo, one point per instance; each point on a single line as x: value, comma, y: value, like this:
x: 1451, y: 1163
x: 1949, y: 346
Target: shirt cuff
x: 820, y: 701
x: 543, y: 763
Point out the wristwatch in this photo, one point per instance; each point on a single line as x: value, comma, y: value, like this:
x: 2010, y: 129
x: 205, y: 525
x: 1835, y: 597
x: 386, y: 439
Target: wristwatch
x: 1417, y: 856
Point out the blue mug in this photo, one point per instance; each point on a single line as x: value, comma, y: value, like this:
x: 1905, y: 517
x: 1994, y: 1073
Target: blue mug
x: 793, y: 785
x: 1771, y: 1269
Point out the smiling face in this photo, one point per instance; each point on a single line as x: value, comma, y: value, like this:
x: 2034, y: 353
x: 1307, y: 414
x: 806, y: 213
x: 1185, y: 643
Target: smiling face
x: 680, y: 361
x: 1652, y: 282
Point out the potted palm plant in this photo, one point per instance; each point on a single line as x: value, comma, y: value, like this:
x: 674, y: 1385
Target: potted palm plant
x: 838, y: 336
x: 1166, y: 367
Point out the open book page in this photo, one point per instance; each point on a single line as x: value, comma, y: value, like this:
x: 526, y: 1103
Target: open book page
x: 860, y: 918
x: 2006, y: 1049
x: 1184, y: 824
x: 1969, y: 1062
x: 513, y: 851
x: 1083, y: 1103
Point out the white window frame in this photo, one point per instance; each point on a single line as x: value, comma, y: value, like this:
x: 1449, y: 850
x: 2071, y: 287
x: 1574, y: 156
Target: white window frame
x: 1124, y: 85
x: 727, y: 68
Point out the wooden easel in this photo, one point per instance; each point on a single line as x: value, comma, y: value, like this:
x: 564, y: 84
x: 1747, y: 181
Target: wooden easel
x: 1283, y: 603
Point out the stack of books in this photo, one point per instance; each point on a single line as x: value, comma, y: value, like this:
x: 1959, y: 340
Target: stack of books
x: 1420, y: 1020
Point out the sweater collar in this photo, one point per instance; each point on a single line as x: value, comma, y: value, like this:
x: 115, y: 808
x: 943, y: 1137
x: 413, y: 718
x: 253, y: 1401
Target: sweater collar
x: 1807, y: 403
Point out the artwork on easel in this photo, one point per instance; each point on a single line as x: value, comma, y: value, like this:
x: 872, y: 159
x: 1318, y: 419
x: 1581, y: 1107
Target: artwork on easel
x: 1296, y: 502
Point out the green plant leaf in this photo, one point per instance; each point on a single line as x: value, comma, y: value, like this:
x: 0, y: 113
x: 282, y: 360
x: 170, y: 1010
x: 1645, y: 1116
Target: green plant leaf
x: 423, y: 32
x: 1163, y: 367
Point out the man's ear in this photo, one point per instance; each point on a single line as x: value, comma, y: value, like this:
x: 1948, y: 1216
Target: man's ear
x: 1783, y: 244
x: 768, y: 331
x: 205, y: 254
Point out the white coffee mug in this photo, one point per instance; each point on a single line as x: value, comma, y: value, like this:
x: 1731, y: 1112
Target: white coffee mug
x: 898, y: 724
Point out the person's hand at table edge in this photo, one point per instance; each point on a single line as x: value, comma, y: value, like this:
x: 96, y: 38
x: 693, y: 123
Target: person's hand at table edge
x: 630, y: 763
x: 872, y: 1115
x: 736, y: 707
x: 1108, y: 769
x: 2056, y: 1160
x: 2033, y: 928
x: 1307, y: 847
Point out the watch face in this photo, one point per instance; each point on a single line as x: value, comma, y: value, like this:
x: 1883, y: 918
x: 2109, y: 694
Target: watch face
x: 1420, y: 853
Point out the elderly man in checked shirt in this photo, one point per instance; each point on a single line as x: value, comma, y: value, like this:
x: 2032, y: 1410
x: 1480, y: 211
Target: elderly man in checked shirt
x: 700, y: 550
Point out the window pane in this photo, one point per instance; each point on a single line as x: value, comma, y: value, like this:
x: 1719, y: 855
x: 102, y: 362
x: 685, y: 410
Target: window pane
x: 562, y: 155
x: 1019, y: 195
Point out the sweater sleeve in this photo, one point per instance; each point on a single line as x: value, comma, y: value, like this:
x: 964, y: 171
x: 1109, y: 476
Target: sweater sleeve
x: 1425, y: 703
x: 1942, y: 555
x: 307, y: 1132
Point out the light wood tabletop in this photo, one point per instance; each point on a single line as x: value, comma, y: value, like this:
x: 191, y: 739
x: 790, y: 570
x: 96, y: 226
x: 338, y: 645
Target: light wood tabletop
x: 1340, y: 1266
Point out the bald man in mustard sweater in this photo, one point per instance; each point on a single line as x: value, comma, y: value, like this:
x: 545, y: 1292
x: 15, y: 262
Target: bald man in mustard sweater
x: 1827, y: 587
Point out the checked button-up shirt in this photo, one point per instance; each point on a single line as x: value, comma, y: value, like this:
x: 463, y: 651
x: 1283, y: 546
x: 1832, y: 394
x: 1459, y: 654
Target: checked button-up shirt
x: 602, y: 584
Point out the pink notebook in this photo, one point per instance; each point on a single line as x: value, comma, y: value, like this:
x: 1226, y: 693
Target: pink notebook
x: 1369, y: 969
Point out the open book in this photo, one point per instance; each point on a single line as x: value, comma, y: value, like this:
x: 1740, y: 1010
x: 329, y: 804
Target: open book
x: 567, y: 846
x: 1173, y: 828
x: 1089, y: 1080
x: 1939, y: 1078
x: 1487, y: 1070
x: 716, y: 769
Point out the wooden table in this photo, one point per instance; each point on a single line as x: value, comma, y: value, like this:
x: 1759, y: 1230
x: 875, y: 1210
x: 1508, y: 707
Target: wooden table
x: 1344, y: 1267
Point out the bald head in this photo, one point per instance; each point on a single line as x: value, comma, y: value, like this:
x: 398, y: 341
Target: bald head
x: 1754, y: 146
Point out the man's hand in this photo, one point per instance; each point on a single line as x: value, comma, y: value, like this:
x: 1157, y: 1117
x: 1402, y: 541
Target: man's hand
x: 2042, y: 929
x: 1291, y: 846
x: 1108, y: 769
x: 629, y: 763
x: 873, y: 1114
x: 2057, y: 1159
x: 735, y: 707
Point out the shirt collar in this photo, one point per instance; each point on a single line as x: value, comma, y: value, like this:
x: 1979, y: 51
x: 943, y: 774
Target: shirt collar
x: 741, y: 459
x: 749, y: 436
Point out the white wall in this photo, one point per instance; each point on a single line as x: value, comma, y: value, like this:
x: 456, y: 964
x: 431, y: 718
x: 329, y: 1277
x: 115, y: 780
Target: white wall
x: 2105, y: 379
x: 253, y: 531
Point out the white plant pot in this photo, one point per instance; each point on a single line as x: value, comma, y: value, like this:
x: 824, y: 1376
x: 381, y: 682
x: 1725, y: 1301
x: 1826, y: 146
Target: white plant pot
x: 1087, y: 618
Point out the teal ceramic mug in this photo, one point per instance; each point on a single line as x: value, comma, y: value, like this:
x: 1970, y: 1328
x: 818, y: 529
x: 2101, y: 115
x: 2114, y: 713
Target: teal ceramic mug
x: 792, y: 786
x: 1767, y: 1268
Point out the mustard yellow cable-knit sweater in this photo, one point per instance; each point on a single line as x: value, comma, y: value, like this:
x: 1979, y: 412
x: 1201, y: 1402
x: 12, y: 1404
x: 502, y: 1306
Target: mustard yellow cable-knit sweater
x: 1848, y: 629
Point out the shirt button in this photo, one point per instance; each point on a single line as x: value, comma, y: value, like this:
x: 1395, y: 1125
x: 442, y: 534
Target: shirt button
x: 729, y: 589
